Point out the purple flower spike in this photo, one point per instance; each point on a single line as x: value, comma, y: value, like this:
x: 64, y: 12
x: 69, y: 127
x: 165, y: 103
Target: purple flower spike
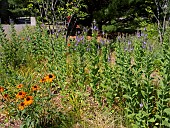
x: 78, y: 39
x: 42, y: 25
x: 109, y: 59
x: 144, y: 45
x: 125, y: 49
x: 82, y: 38
x: 131, y: 49
x: 129, y: 42
x: 76, y: 44
x: 95, y: 28
x: 141, y: 105
x: 138, y: 34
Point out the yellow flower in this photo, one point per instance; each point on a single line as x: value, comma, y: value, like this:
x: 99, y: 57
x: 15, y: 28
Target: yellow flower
x: 21, y: 106
x: 28, y: 100
x: 42, y: 80
x: 19, y: 86
x: 49, y: 78
x: 1, y: 89
x: 35, y: 88
x: 21, y: 95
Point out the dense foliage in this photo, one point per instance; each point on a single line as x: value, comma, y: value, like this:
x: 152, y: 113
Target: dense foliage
x: 48, y: 83
x: 62, y: 81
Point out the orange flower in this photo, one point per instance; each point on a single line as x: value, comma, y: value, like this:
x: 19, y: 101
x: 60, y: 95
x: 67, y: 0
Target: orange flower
x: 1, y: 89
x: 35, y: 88
x: 28, y: 100
x: 42, y: 80
x: 49, y: 78
x: 68, y: 44
x: 21, y: 95
x: 19, y: 86
x: 21, y: 106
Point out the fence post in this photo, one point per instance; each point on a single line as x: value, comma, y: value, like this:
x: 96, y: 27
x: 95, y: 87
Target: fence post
x: 33, y: 21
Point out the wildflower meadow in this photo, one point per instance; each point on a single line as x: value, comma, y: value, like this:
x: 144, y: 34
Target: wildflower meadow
x: 48, y: 82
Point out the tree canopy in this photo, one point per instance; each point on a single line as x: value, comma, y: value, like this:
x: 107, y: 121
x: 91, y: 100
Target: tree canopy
x: 111, y: 15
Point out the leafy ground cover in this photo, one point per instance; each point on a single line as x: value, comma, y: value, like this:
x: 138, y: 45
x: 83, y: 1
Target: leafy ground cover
x: 46, y: 82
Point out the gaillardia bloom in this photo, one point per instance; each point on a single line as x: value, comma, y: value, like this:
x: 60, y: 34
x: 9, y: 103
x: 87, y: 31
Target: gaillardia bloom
x: 21, y: 106
x: 49, y: 78
x: 28, y: 100
x: 20, y: 95
x: 1, y: 89
x: 19, y: 86
x: 35, y: 88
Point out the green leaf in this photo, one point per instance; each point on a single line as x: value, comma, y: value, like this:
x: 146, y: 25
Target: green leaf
x: 131, y: 115
x: 151, y: 120
x: 167, y: 111
x: 166, y: 122
x: 168, y: 99
x: 127, y: 97
x: 158, y: 116
x: 134, y: 126
x: 143, y: 93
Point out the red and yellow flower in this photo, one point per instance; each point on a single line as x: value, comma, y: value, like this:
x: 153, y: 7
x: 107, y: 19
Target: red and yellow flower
x: 35, y: 88
x: 21, y: 106
x: 20, y: 86
x: 42, y: 80
x: 49, y: 78
x: 28, y: 100
x: 21, y: 95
